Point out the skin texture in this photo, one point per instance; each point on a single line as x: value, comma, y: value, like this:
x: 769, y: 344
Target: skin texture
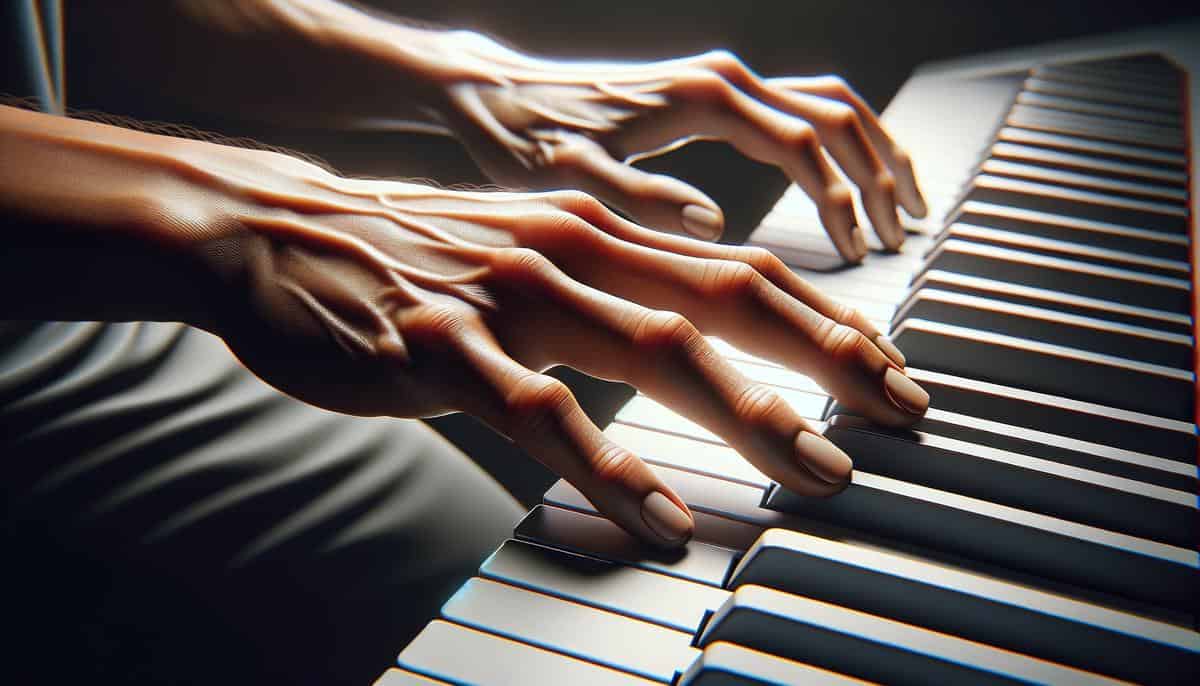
x: 530, y: 123
x: 386, y: 298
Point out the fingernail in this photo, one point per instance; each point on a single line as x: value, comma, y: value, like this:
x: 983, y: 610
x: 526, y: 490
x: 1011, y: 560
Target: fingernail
x: 823, y: 458
x: 664, y: 518
x: 859, y: 241
x: 702, y: 222
x: 889, y: 348
x: 905, y: 393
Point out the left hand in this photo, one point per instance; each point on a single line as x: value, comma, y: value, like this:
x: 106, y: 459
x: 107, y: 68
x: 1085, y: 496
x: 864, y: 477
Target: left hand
x: 538, y: 123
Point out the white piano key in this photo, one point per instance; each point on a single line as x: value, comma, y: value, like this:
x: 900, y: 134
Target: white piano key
x: 723, y: 664
x: 401, y: 677
x: 463, y: 655
x: 1026, y: 542
x: 701, y: 457
x: 872, y: 647
x: 644, y: 412
x: 669, y: 601
x: 599, y: 636
x: 971, y: 605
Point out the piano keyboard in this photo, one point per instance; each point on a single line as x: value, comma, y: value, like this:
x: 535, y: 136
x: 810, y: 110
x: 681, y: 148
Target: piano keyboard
x: 1039, y: 525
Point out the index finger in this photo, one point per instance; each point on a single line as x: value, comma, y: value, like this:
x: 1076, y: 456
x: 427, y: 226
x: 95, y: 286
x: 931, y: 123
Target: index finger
x: 893, y: 155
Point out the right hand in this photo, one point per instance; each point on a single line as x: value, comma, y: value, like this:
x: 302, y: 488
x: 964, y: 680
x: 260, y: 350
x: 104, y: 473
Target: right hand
x: 386, y: 298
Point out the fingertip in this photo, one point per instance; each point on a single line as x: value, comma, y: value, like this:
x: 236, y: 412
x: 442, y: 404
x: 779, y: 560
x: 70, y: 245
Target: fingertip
x: 671, y: 523
x: 702, y: 222
x: 824, y: 459
x: 905, y: 393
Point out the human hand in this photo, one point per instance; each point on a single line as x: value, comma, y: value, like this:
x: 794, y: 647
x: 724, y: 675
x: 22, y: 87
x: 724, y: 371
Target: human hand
x: 386, y: 298
x: 539, y: 123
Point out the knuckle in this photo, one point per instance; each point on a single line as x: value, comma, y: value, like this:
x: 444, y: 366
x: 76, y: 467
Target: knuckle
x: 841, y: 342
x: 724, y: 62
x: 536, y: 403
x: 840, y: 86
x: 704, y: 84
x: 886, y: 182
x: 614, y: 464
x: 800, y: 136
x: 524, y: 262
x: 662, y: 332
x: 840, y: 116
x: 577, y: 202
x: 762, y: 260
x: 756, y: 403
x: 838, y: 197
x: 441, y: 322
x: 724, y: 278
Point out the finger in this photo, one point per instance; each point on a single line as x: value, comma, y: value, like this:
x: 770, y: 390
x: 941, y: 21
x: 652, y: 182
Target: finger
x: 653, y: 200
x: 762, y: 260
x: 540, y: 415
x: 841, y: 132
x: 709, y: 106
x: 893, y: 155
x: 663, y: 355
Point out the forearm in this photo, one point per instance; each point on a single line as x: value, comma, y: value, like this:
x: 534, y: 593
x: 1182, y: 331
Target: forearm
x: 300, y: 62
x: 95, y: 224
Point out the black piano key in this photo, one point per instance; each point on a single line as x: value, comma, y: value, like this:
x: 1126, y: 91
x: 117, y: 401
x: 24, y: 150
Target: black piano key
x: 1011, y: 543
x: 1148, y: 135
x: 1159, y: 320
x: 1045, y: 368
x: 1157, y: 244
x: 1158, y: 87
x: 1016, y: 480
x: 1069, y: 250
x: 1114, y: 150
x: 1093, y: 165
x: 1100, y: 94
x: 1116, y: 113
x: 1048, y: 326
x: 726, y: 664
x: 1084, y: 180
x: 598, y: 537
x: 587, y: 633
x: 973, y: 606
x: 462, y: 655
x: 1075, y: 277
x: 871, y: 647
x: 1166, y: 438
x: 1104, y: 207
x: 1076, y: 452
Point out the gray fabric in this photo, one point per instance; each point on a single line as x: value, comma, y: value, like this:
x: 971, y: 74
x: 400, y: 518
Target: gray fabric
x: 146, y: 448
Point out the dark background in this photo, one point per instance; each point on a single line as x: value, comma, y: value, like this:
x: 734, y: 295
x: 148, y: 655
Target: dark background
x: 874, y: 44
